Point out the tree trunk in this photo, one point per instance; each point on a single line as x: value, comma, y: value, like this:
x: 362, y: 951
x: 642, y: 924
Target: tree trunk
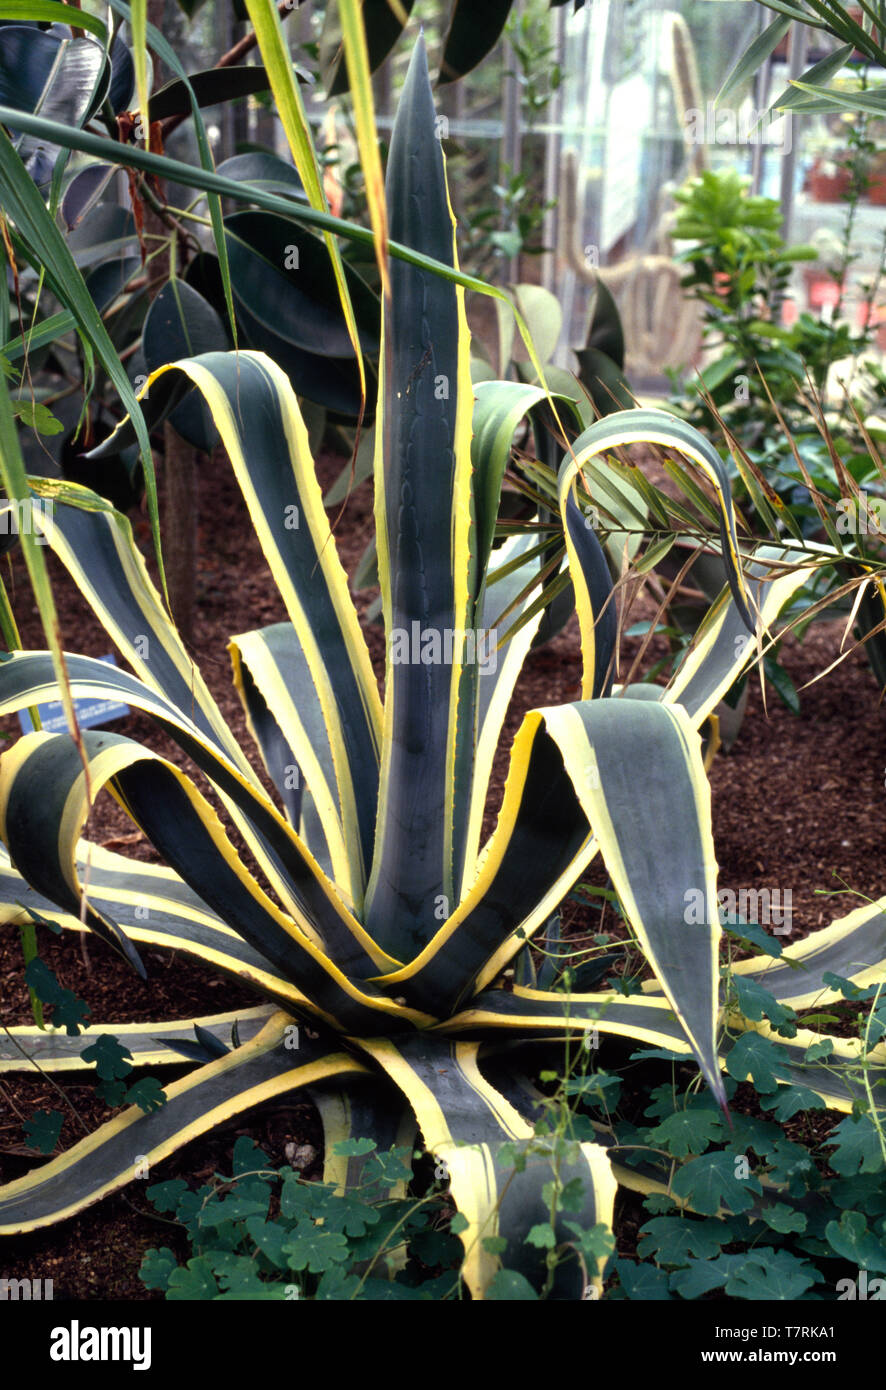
x: 180, y: 528
x: 178, y: 515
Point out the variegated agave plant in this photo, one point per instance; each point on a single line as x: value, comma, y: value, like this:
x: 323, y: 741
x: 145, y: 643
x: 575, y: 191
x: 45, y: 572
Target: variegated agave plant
x: 375, y: 914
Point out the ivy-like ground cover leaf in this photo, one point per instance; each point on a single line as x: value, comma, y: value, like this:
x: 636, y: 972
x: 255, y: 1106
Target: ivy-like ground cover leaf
x: 112, y: 1060
x: 270, y: 1237
x: 674, y: 1240
x: 511, y: 1287
x: 702, y: 1276
x: 771, y: 1276
x: 784, y: 1219
x: 68, y: 1011
x: 791, y: 1167
x: 864, y: 1192
x: 758, y: 1059
x: 643, y: 1283
x: 687, y: 1131
x: 147, y: 1094
x: 858, y: 1147
x: 851, y: 1238
x: 756, y: 1003
x: 315, y: 1249
x: 43, y: 1129
x: 788, y: 1100
x: 193, y: 1283
x: 710, y: 1182
x: 755, y: 935
x: 156, y: 1267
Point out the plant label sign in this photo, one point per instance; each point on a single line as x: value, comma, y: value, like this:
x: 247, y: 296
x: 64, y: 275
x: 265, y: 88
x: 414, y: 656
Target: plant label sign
x: 90, y: 713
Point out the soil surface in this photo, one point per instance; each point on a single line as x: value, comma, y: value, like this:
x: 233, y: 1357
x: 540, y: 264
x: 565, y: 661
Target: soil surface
x: 798, y: 805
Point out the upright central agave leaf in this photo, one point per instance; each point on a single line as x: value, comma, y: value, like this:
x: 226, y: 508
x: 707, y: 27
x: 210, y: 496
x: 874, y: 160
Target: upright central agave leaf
x: 423, y: 523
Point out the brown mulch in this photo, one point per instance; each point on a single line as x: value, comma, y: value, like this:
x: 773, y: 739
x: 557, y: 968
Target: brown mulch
x: 798, y: 802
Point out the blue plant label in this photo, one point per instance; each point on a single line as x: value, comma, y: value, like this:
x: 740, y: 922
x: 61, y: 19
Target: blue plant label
x: 90, y: 713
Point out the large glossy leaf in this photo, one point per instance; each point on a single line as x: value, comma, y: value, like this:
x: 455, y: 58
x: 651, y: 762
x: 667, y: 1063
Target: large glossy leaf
x: 122, y: 85
x: 168, y: 55
x: 383, y: 29
x: 84, y: 191
x: 210, y: 87
x: 49, y: 75
x: 180, y: 323
x: 283, y: 278
x: 274, y: 49
x: 473, y: 32
x: 131, y: 156
x: 265, y: 171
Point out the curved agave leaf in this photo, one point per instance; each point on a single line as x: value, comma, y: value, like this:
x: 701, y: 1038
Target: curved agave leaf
x: 499, y: 408
x: 572, y: 777
x: 360, y: 1106
x: 106, y: 1160
x: 618, y: 430
x: 26, y: 677
x: 853, y: 947
x: 151, y: 912
x: 254, y: 407
x: 722, y: 648
x: 465, y: 1121
x: 32, y: 804
x: 496, y: 685
x: 149, y: 1044
x: 527, y: 1012
x: 41, y: 836
x: 285, y: 718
